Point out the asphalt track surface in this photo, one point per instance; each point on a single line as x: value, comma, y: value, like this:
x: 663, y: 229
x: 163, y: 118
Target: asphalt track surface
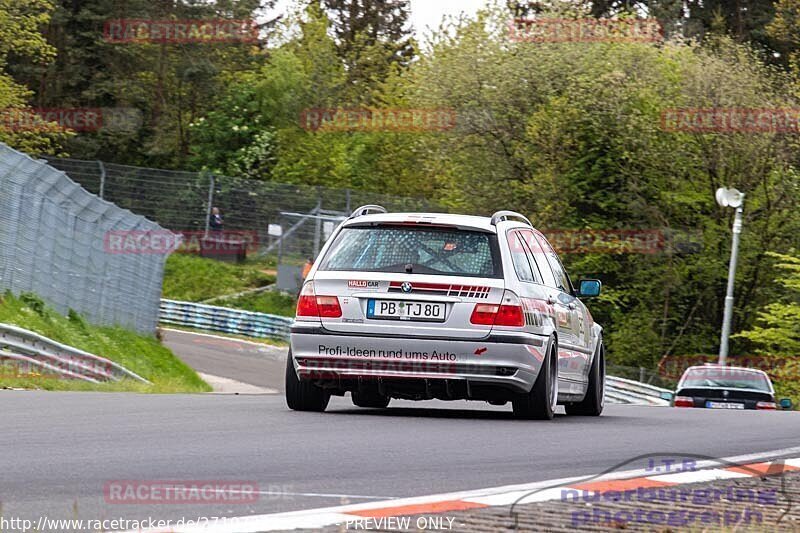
x: 59, y: 450
x: 253, y: 363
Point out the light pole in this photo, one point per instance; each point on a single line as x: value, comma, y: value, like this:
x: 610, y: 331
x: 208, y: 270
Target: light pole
x: 735, y: 199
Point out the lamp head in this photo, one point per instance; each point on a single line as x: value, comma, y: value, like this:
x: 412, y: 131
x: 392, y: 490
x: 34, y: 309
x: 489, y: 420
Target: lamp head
x: 730, y: 198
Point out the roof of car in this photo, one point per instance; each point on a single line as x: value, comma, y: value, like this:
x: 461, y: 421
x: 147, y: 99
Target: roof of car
x: 445, y: 219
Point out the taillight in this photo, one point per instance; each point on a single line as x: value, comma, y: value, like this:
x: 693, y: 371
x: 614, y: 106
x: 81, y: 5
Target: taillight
x: 329, y: 307
x: 508, y: 313
x: 766, y: 405
x: 684, y: 401
x: 484, y: 314
x: 309, y: 304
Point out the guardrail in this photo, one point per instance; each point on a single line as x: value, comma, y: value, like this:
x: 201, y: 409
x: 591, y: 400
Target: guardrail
x: 621, y: 390
x: 33, y: 351
x: 224, y: 320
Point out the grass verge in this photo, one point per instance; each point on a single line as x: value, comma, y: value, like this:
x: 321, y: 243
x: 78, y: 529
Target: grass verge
x: 140, y: 354
x: 271, y: 302
x: 191, y: 278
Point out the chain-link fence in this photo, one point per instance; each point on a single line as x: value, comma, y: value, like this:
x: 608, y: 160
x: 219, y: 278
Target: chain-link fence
x: 53, y: 242
x: 182, y: 201
x: 291, y: 222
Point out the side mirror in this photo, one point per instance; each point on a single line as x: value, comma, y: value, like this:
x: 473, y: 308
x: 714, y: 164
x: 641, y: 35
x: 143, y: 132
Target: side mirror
x: 786, y: 404
x: 589, y: 288
x: 667, y: 396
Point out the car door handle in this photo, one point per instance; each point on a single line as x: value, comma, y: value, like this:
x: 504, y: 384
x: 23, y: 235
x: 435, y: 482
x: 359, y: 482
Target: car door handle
x: 551, y: 300
x: 572, y: 306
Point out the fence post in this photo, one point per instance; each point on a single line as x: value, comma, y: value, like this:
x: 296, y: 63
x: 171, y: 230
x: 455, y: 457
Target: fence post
x: 211, y: 182
x: 348, y: 210
x: 280, y: 245
x: 102, y: 179
x: 318, y: 224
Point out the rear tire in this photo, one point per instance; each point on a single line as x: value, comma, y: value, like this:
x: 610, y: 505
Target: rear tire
x: 303, y: 395
x: 592, y: 404
x: 540, y: 402
x: 370, y: 399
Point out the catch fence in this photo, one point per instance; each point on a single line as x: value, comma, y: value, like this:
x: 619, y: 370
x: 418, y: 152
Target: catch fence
x: 52, y: 243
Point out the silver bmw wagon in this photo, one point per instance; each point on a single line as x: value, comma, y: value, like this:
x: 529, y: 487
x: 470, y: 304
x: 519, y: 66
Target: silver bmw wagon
x: 422, y: 306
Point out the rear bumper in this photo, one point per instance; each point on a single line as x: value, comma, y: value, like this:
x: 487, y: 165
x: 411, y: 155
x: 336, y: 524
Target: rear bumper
x: 701, y: 403
x: 509, y: 361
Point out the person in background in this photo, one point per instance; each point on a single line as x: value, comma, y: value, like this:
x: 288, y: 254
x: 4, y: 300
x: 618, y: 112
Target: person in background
x: 307, y: 267
x: 215, y: 220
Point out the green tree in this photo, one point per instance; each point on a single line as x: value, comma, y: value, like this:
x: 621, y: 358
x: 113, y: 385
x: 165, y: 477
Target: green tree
x: 777, y: 329
x: 743, y: 20
x: 168, y: 84
x: 21, y: 40
x: 571, y: 134
x: 372, y: 37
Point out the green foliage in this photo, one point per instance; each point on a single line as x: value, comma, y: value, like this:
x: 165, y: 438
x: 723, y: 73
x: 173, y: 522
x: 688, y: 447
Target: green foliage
x: 786, y: 380
x: 167, y: 85
x: 34, y: 303
x: 777, y: 329
x: 568, y: 133
x: 75, y: 318
x: 745, y: 22
x: 196, y: 279
x: 141, y: 354
x: 270, y: 302
x: 372, y: 37
x: 20, y: 30
x: 21, y: 41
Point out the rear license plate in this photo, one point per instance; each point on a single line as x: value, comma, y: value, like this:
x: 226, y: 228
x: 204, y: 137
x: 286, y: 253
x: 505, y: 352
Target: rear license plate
x: 404, y: 310
x: 723, y: 405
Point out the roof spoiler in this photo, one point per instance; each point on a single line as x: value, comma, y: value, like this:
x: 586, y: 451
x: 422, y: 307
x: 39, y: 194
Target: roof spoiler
x: 505, y: 215
x: 366, y: 209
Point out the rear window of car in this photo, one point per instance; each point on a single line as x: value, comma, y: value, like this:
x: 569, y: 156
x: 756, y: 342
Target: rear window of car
x: 722, y: 377
x: 438, y: 251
